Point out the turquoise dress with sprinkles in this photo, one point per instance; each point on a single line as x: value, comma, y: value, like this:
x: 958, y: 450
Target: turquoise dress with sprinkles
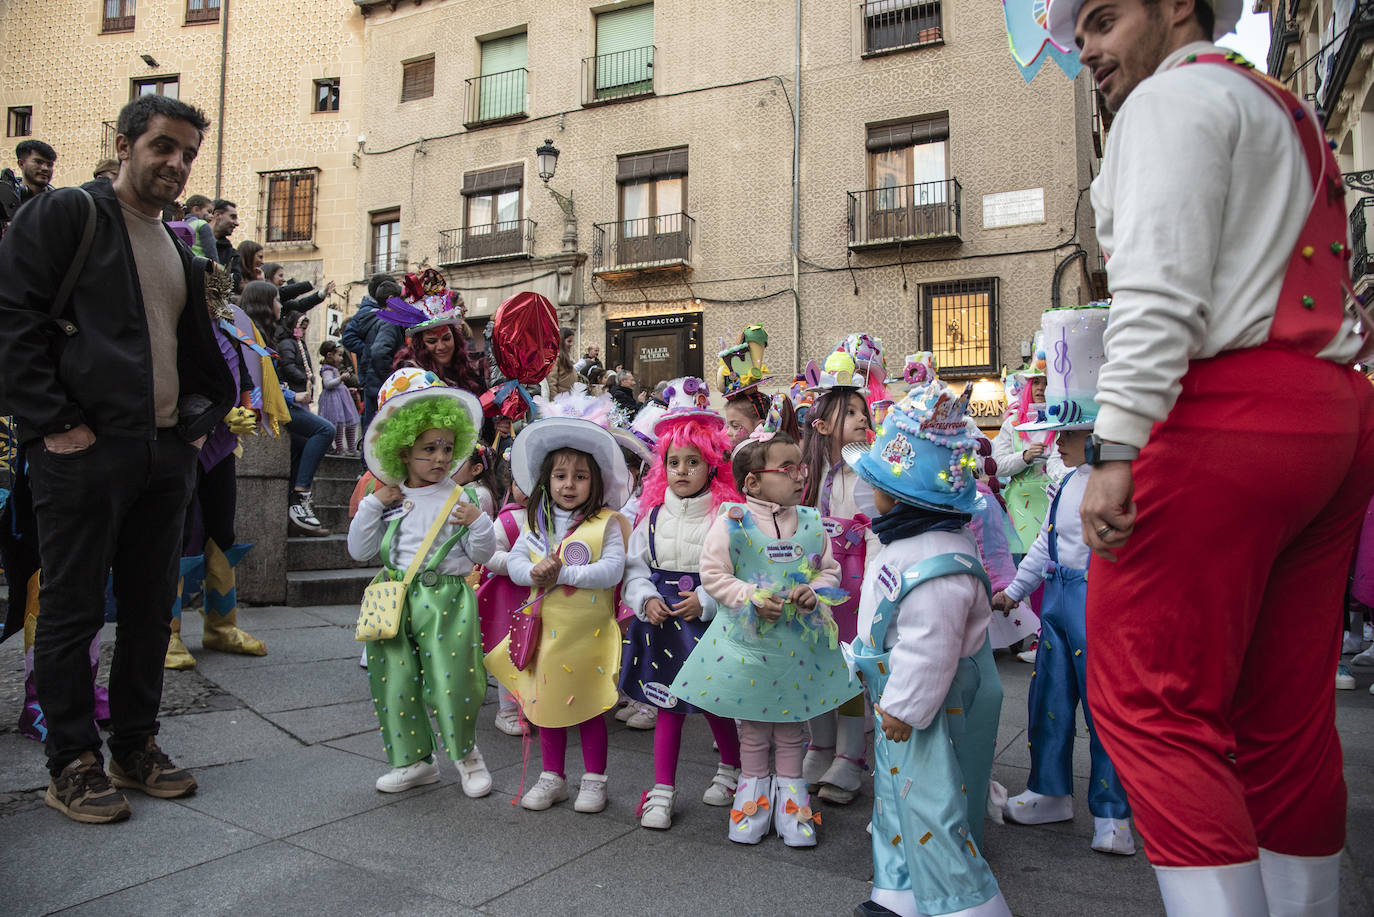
x: 780, y: 672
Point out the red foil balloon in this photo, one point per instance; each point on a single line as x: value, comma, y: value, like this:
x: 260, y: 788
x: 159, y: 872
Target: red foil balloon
x: 525, y: 337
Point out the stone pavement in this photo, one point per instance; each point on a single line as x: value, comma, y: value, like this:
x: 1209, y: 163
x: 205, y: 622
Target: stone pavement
x: 287, y: 820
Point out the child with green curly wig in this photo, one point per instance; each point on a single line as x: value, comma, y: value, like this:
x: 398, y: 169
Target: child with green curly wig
x: 422, y: 432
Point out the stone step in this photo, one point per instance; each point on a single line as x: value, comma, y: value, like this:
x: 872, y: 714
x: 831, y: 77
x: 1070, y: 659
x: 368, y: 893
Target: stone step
x: 326, y: 587
x: 334, y: 516
x: 329, y: 552
x: 331, y: 490
x: 341, y: 466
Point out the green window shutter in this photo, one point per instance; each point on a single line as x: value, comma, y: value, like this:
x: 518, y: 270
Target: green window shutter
x: 624, y: 53
x: 503, y: 77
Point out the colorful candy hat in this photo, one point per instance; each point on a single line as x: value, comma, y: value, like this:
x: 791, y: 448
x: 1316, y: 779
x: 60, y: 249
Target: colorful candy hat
x: 921, y: 368
x: 741, y: 366
x: 574, y: 420
x: 1076, y: 353
x: 838, y: 371
x: 688, y: 399
x: 925, y: 452
x: 404, y: 388
x: 1036, y: 367
x: 636, y: 432
x: 1062, y: 17
x: 803, y: 396
x: 426, y: 303
x: 869, y: 362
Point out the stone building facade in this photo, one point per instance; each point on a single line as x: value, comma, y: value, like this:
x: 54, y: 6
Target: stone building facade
x: 1322, y: 50
x: 938, y: 196
x: 256, y: 69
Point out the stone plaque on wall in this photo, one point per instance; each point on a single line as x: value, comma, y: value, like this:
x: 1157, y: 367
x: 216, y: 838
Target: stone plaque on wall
x: 1013, y: 208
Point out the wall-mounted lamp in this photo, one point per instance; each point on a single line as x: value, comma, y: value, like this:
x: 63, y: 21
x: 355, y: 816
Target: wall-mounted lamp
x: 547, y: 157
x: 148, y: 59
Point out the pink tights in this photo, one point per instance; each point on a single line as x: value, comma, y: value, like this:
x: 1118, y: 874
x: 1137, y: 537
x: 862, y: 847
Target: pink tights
x: 789, y: 748
x: 668, y: 743
x: 553, y: 746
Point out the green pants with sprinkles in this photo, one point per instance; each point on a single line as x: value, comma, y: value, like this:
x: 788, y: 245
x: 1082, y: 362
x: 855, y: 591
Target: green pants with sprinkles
x: 434, y: 663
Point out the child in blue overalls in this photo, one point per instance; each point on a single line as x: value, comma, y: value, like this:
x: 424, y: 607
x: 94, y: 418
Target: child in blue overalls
x: 923, y: 653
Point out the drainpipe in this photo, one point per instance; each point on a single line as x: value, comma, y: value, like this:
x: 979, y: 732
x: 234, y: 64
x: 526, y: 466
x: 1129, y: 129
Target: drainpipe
x: 219, y: 118
x: 796, y: 200
x: 1059, y: 274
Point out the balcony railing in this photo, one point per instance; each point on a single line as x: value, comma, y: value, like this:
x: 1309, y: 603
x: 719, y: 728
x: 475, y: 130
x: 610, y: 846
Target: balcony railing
x: 1360, y: 30
x: 385, y: 264
x: 1359, y: 239
x: 487, y: 241
x: 495, y: 97
x: 649, y: 244
x: 613, y: 77
x: 929, y: 211
x: 894, y: 25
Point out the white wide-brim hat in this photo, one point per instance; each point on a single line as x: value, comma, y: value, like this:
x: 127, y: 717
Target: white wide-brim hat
x: 407, y: 386
x: 550, y: 434
x: 1063, y: 17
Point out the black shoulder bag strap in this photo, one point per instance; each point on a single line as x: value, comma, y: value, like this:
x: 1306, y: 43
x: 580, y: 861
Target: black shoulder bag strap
x: 83, y: 249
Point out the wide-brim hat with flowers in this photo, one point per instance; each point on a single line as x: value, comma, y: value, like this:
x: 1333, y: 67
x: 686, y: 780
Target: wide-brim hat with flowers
x: 409, y: 386
x: 427, y: 303
x: 574, y: 420
x: 924, y: 452
x: 688, y: 399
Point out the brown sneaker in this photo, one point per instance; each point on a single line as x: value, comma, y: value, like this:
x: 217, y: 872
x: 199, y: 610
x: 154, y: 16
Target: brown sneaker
x: 152, y: 772
x: 82, y: 792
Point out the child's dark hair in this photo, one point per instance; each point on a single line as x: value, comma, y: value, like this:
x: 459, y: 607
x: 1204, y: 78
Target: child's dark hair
x: 829, y: 407
x: 490, y: 475
x: 752, y: 455
x: 328, y: 347
x: 759, y: 403
x: 541, y: 500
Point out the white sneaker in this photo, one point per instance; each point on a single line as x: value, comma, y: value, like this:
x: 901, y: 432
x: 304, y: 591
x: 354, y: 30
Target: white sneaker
x: 1028, y: 654
x: 642, y: 716
x: 404, y: 778
x: 1350, y: 643
x: 625, y: 712
x: 363, y: 660
x: 1345, y: 679
x: 1030, y: 808
x: 1113, y: 835
x: 473, y: 774
x: 656, y: 811
x: 840, y: 784
x: 721, y: 790
x: 550, y: 789
x: 508, y: 721
x: 1365, y: 658
x: 817, y: 762
x: 591, y: 795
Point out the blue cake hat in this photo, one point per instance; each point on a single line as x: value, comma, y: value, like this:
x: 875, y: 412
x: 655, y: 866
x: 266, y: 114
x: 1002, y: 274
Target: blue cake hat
x: 925, y: 452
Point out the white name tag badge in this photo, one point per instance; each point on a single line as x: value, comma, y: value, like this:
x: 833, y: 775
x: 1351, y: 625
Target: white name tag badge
x: 660, y: 695
x: 783, y: 552
x: 833, y: 527
x: 400, y: 509
x: 889, y: 582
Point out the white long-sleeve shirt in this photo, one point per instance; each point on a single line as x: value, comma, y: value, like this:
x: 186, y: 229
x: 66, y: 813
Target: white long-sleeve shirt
x: 1008, y: 445
x: 1072, y: 551
x: 682, y: 526
x: 1202, y: 195
x: 604, y: 573
x: 500, y: 555
x: 368, y: 526
x: 938, y: 623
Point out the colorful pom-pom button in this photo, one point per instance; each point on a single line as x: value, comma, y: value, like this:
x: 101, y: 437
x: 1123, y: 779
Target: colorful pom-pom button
x: 1308, y: 251
x: 1308, y: 302
x: 1337, y: 248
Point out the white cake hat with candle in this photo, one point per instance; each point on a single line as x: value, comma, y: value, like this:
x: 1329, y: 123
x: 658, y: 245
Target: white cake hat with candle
x: 1074, y: 354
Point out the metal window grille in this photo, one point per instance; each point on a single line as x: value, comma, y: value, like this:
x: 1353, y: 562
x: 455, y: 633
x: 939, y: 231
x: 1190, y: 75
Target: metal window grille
x: 20, y: 121
x: 893, y: 24
x: 959, y: 320
x: 202, y: 11
x: 118, y: 16
x: 109, y: 130
x: 622, y: 75
x: 417, y: 79
x: 290, y: 204
x: 327, y: 94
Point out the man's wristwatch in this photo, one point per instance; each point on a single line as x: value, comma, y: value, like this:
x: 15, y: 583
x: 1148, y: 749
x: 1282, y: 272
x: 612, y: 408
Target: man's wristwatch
x: 1097, y: 450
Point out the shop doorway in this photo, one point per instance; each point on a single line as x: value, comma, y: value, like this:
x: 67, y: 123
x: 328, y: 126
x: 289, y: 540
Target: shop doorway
x: 656, y: 348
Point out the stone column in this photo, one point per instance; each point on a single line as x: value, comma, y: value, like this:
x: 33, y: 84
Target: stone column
x: 262, y: 497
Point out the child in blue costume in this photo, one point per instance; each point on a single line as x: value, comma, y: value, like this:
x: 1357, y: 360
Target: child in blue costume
x: 770, y: 656
x: 923, y: 653
x: 1059, y: 559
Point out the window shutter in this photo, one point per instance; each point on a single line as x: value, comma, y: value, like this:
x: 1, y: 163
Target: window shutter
x: 502, y: 54
x: 491, y: 181
x: 910, y: 133
x: 417, y: 79
x: 625, y: 30
x: 663, y: 164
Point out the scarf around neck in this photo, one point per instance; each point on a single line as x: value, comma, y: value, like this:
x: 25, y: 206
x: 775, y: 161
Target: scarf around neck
x: 907, y: 521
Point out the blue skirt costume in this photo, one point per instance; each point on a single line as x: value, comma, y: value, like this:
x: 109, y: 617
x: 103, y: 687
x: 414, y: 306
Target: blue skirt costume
x: 785, y: 671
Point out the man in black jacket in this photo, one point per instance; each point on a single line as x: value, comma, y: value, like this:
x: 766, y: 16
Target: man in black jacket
x: 36, y: 161
x: 113, y: 397
x: 360, y: 334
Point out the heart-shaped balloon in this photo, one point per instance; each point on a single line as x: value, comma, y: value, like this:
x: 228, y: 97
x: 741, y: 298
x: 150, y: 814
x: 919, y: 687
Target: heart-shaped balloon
x: 525, y: 337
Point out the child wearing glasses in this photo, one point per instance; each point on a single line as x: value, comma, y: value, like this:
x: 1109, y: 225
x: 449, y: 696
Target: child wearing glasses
x: 770, y: 657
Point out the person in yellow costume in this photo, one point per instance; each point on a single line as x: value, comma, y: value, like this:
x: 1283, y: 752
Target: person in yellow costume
x: 563, y: 665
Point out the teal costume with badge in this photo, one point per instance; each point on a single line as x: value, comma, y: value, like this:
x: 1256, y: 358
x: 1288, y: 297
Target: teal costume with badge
x: 734, y: 670
x: 924, y: 837
x: 433, y: 663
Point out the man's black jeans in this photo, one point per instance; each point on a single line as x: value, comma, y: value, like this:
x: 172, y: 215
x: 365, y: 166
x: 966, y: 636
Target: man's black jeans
x: 118, y: 506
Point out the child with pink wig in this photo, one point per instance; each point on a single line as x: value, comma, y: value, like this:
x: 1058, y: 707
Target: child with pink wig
x: 689, y: 481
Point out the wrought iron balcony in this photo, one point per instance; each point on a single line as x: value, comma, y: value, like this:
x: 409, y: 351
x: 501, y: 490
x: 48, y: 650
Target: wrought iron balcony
x: 394, y: 263
x: 896, y: 25
x: 925, y: 212
x: 110, y: 130
x: 1359, y: 31
x: 495, y: 97
x: 614, y: 77
x: 487, y: 242
x: 661, y: 243
x: 1359, y: 239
